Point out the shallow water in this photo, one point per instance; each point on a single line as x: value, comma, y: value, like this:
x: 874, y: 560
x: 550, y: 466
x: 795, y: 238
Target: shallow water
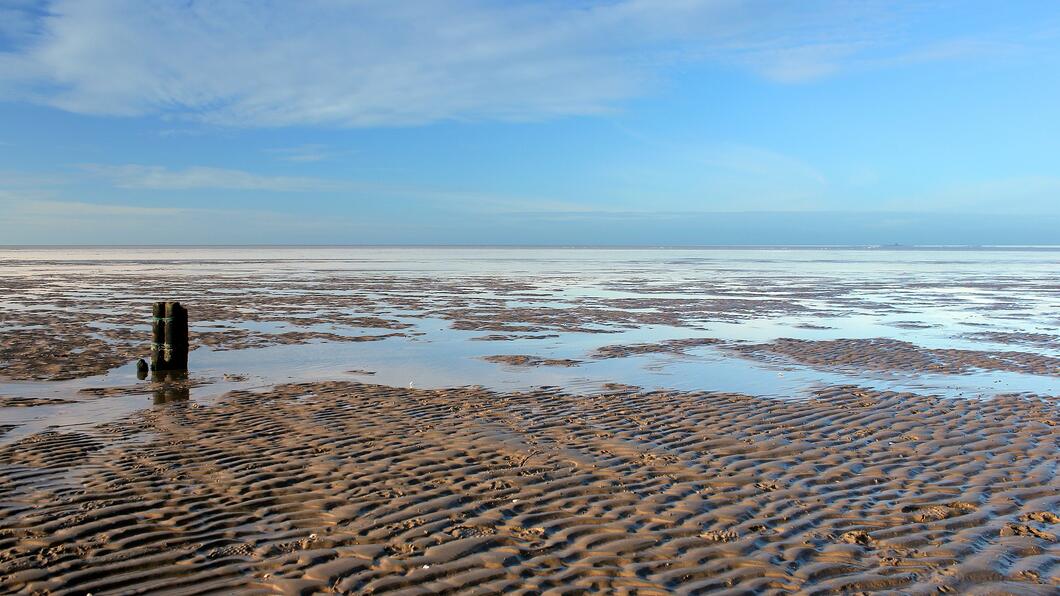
x: 933, y: 298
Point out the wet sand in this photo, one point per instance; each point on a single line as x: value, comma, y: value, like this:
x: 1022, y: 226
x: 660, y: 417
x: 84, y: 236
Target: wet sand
x: 574, y: 481
x: 528, y: 360
x: 362, y: 488
x: 672, y: 346
x: 893, y: 355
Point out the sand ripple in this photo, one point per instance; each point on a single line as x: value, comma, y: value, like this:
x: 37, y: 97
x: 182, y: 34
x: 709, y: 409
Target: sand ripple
x: 359, y: 488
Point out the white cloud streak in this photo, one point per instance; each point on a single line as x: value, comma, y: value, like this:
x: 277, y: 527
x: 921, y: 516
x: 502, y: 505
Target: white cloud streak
x: 34, y: 218
x: 381, y: 63
x: 135, y: 176
x: 160, y: 178
x: 302, y: 153
x: 76, y: 209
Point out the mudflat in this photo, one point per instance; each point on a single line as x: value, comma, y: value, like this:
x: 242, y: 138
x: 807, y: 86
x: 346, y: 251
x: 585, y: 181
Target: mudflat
x: 642, y: 422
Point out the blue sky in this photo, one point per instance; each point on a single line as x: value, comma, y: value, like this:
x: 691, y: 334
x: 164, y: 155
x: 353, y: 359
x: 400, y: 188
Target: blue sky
x: 573, y: 122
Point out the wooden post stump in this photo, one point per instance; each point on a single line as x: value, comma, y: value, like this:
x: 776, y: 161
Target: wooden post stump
x: 169, y: 343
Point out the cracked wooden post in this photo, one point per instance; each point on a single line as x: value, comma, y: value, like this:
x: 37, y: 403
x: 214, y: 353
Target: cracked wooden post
x: 169, y: 330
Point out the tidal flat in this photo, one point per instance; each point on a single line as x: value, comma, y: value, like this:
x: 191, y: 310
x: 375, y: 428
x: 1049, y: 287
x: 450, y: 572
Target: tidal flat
x: 532, y: 420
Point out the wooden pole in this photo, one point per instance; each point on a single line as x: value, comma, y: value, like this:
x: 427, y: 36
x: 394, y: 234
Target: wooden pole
x: 169, y: 331
x: 177, y: 335
x: 158, y: 336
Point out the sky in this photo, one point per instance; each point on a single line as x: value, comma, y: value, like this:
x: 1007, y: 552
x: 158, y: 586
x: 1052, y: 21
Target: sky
x: 615, y: 122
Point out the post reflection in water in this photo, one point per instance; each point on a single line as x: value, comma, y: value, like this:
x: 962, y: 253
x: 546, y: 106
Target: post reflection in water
x: 170, y: 386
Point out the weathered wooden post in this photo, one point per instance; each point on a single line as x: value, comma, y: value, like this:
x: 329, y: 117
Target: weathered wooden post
x: 169, y: 343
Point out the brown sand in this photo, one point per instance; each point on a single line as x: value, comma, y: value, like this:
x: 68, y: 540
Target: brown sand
x: 671, y: 346
x: 239, y: 339
x: 360, y: 488
x: 70, y: 351
x: 61, y: 352
x: 895, y: 355
x: 526, y: 360
x: 30, y: 402
x: 513, y: 337
x: 1043, y: 340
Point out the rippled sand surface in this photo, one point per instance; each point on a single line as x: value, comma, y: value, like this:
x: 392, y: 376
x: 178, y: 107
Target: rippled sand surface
x: 356, y: 488
x: 483, y: 421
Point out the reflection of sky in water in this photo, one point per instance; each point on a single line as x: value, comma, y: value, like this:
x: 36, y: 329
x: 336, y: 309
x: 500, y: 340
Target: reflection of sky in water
x: 942, y: 294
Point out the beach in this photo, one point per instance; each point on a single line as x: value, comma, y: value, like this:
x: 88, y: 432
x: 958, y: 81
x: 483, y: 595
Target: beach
x: 403, y: 420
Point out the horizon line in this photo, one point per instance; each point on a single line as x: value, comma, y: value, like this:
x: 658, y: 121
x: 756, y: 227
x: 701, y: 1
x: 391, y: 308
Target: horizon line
x: 644, y: 246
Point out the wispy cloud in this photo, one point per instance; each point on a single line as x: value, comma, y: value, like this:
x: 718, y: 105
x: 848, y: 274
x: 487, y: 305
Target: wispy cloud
x: 135, y: 176
x: 303, y: 153
x: 41, y: 218
x: 15, y: 179
x: 378, y: 62
x: 76, y: 209
x: 802, y: 63
x: 151, y: 177
x: 19, y: 21
x: 464, y: 201
x: 45, y: 218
